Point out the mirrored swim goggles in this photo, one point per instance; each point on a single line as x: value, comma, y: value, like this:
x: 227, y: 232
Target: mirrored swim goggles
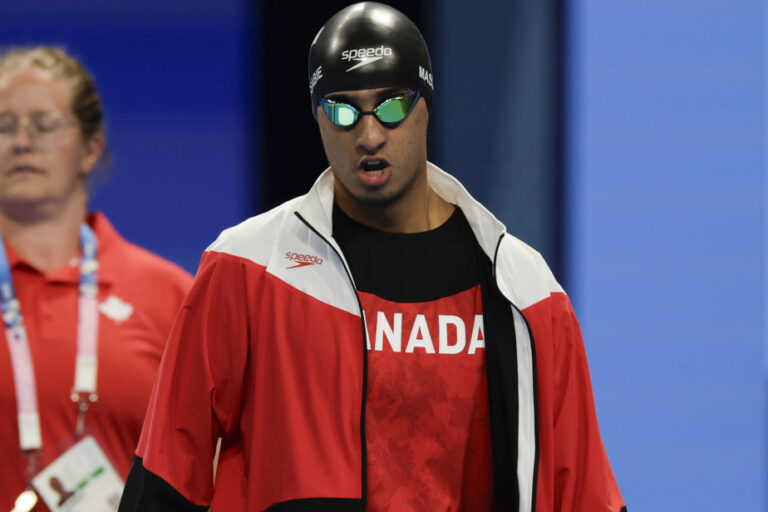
x: 390, y: 112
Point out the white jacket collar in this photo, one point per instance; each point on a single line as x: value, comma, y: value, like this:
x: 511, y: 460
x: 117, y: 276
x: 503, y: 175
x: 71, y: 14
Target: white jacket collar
x: 317, y: 205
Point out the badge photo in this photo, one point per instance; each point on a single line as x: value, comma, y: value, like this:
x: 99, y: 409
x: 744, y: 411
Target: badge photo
x: 81, y: 478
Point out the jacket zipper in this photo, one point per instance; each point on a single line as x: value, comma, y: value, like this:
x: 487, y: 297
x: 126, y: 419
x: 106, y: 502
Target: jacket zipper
x: 363, y: 446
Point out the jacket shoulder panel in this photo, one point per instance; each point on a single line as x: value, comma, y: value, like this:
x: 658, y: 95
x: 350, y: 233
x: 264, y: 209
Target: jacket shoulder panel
x: 522, y: 274
x: 287, y: 248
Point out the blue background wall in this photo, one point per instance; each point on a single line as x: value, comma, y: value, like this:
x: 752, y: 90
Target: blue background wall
x: 667, y: 243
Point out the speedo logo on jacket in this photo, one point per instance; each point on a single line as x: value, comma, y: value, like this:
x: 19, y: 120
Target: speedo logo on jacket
x: 433, y: 334
x: 302, y: 260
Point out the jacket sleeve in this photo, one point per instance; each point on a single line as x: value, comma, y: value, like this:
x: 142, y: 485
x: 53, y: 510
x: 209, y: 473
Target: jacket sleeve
x: 583, y: 476
x: 197, y: 394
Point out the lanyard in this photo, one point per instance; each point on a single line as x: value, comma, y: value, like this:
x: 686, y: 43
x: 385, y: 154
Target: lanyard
x: 84, y: 389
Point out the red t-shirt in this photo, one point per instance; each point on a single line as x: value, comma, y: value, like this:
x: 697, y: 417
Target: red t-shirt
x: 427, y: 422
x: 139, y: 296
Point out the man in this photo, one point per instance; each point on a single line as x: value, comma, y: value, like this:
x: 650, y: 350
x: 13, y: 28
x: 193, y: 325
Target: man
x: 380, y: 343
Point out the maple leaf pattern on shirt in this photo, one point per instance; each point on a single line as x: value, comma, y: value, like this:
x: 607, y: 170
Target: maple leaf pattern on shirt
x: 427, y: 419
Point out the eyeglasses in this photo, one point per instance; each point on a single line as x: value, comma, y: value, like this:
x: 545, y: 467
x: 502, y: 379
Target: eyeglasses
x: 39, y: 124
x: 390, y: 112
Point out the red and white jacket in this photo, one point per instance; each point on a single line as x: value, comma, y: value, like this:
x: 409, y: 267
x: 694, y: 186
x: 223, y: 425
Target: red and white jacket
x: 269, y: 353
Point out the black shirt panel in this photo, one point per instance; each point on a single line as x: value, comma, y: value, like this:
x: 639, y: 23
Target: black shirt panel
x: 411, y: 267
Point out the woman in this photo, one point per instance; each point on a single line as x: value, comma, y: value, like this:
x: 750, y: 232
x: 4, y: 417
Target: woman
x: 85, y: 313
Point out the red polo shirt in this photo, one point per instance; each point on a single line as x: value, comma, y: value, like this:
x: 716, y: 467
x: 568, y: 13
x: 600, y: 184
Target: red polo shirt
x: 139, y: 296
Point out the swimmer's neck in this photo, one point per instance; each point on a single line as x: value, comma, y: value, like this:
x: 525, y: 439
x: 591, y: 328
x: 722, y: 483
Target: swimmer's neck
x: 423, y: 210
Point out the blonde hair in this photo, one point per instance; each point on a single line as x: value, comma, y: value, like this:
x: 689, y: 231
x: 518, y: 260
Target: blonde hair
x: 84, y: 101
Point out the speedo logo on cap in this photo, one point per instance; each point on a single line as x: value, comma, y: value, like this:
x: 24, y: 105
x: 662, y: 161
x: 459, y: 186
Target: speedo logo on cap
x: 365, y: 56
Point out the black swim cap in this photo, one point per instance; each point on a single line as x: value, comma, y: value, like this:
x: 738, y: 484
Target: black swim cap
x: 369, y: 46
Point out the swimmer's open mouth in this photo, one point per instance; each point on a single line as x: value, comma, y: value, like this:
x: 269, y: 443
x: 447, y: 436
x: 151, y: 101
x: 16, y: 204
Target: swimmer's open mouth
x: 374, y: 165
x: 374, y: 172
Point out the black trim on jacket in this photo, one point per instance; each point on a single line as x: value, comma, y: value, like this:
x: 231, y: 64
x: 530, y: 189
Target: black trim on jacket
x: 501, y: 371
x: 150, y: 493
x: 319, y: 505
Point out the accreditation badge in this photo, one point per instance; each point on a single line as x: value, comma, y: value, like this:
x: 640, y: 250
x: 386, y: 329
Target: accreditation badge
x: 80, y: 479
